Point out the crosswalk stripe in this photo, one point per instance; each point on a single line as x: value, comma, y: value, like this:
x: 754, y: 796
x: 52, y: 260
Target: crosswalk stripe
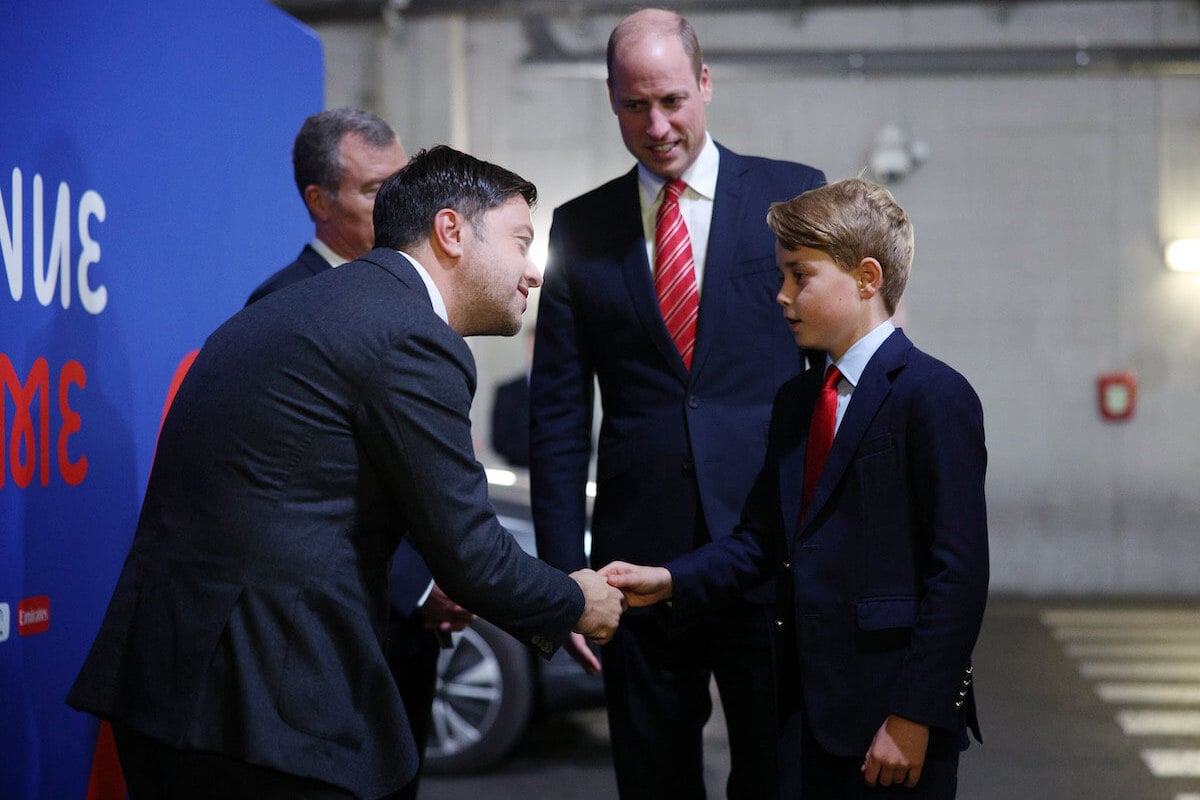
x: 1159, y: 723
x: 1097, y: 616
x: 1173, y: 763
x: 1180, y: 693
x: 1137, y: 633
x: 1139, y: 650
x: 1141, y: 670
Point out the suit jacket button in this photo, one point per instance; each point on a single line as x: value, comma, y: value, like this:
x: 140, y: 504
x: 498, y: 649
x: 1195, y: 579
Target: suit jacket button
x: 693, y: 401
x: 778, y: 623
x: 958, y: 704
x: 787, y: 565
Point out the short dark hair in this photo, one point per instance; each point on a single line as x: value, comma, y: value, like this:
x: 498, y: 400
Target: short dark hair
x: 437, y: 178
x: 316, y: 153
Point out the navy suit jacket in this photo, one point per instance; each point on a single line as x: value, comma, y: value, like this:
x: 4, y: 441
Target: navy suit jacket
x: 409, y: 575
x: 886, y: 576
x: 677, y: 450
x: 316, y: 428
x: 307, y: 264
x: 510, y: 421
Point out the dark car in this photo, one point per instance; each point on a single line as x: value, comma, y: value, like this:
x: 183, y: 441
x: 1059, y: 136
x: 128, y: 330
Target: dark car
x: 489, y: 685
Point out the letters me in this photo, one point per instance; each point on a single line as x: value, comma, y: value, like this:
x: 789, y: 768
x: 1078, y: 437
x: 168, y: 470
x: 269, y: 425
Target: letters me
x: 24, y: 449
x: 56, y: 272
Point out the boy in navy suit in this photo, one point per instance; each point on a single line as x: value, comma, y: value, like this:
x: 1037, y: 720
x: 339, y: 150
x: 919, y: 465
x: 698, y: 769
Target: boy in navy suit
x: 882, y: 548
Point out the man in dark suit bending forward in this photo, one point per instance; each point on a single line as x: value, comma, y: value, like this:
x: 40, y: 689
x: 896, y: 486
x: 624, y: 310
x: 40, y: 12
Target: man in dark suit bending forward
x: 242, y: 652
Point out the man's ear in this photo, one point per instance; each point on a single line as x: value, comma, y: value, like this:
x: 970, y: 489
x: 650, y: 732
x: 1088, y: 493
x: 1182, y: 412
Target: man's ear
x: 448, y: 231
x: 870, y: 277
x: 317, y: 201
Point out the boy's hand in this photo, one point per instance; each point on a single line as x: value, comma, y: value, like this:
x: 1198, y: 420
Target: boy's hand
x: 643, y: 586
x: 897, y: 753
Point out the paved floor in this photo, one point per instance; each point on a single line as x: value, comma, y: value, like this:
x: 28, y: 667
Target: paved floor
x: 1084, y: 700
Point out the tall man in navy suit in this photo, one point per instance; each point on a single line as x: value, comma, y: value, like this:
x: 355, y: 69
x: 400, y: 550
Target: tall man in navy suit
x: 340, y: 158
x: 242, y: 654
x: 678, y: 446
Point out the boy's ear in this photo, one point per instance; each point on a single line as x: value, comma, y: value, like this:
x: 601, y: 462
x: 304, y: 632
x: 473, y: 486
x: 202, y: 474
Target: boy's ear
x: 870, y: 277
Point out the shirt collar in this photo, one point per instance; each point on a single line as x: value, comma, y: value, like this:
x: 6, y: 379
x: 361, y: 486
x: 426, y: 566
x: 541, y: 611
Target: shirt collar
x: 854, y: 361
x: 701, y: 176
x: 435, y: 297
x: 326, y: 252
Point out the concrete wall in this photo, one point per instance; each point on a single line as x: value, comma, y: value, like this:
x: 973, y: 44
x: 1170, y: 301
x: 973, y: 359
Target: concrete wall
x: 1041, y: 214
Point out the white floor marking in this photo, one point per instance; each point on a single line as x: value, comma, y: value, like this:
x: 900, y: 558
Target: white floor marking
x: 1141, y: 650
x: 1173, y: 763
x: 1159, y: 723
x: 1180, y: 693
x: 1141, y: 670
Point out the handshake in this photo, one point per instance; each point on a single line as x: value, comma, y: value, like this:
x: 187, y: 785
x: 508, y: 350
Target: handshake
x: 606, y: 594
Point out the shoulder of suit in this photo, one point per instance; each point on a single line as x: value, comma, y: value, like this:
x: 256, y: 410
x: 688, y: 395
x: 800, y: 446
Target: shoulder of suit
x: 768, y: 166
x: 620, y: 187
x: 922, y: 366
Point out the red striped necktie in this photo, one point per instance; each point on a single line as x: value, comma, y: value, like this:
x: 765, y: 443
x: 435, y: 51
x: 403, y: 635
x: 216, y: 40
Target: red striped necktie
x: 820, y: 433
x: 675, y: 273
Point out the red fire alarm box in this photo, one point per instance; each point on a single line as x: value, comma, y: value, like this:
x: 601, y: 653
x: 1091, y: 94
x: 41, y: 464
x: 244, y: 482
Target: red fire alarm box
x: 1117, y: 393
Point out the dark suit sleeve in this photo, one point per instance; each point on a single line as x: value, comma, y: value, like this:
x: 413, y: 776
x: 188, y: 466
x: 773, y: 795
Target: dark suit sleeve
x: 726, y: 568
x: 416, y: 428
x: 510, y: 421
x: 561, y: 414
x: 408, y: 579
x: 947, y: 461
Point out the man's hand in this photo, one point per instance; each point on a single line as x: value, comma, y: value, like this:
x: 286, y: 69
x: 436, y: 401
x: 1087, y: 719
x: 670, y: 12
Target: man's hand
x: 643, y: 586
x: 897, y: 753
x: 603, y: 606
x: 440, y: 613
x: 578, y: 649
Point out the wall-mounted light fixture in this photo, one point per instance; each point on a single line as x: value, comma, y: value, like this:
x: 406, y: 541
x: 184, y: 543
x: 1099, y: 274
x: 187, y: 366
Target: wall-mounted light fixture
x: 1183, y: 255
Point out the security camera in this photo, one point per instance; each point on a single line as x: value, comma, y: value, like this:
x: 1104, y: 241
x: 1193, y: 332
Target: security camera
x: 890, y: 164
x: 894, y: 156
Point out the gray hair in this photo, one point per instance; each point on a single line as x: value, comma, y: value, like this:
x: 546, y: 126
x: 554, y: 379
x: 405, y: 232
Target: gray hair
x: 316, y: 157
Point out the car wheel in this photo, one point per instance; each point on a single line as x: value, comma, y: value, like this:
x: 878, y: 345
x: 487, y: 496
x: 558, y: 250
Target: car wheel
x: 483, y: 701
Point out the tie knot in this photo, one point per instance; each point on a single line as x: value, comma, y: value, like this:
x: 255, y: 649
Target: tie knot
x: 673, y: 190
x: 832, y: 377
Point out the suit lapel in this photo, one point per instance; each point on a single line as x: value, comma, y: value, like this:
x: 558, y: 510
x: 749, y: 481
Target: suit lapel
x: 872, y: 390
x: 723, y: 236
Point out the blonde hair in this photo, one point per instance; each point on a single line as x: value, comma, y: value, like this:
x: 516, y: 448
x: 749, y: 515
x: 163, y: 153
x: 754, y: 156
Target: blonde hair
x: 850, y: 220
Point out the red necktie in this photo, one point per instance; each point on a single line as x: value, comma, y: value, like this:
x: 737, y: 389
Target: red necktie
x: 675, y: 274
x: 820, y: 432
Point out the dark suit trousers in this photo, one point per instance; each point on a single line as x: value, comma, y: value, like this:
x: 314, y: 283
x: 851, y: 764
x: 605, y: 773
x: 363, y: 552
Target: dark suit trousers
x: 155, y: 771
x: 412, y: 654
x: 810, y: 772
x: 659, y: 700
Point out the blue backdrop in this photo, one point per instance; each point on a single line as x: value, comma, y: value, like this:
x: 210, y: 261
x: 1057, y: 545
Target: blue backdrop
x: 145, y: 189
